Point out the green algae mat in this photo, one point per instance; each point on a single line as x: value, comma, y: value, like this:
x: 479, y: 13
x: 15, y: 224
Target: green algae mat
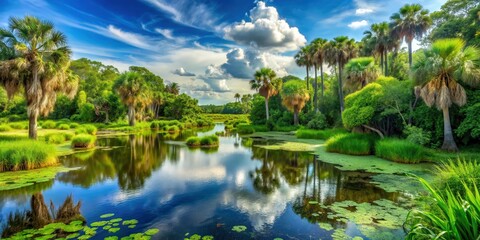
x: 20, y: 179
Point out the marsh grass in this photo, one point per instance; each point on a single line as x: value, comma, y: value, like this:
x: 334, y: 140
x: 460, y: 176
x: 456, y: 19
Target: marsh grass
x: 206, y: 141
x: 5, y: 128
x: 319, y: 134
x: 83, y: 141
x: 19, y: 125
x: 454, y: 174
x: 245, y: 129
x: 351, y: 144
x: 86, y: 129
x: 55, y: 138
x: 401, y: 151
x: 64, y: 126
x: 25, y: 155
x: 49, y: 124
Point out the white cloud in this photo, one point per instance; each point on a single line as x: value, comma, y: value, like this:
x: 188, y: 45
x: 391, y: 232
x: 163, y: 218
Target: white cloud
x: 167, y: 33
x: 182, y: 72
x: 363, y: 11
x: 133, y: 39
x: 216, y: 79
x: 265, y: 31
x: 358, y: 24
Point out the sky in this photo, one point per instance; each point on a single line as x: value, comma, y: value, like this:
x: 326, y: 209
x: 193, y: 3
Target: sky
x: 211, y: 48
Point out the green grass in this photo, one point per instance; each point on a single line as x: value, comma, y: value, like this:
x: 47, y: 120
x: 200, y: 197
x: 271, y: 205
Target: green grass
x: 206, y: 141
x: 83, y: 141
x: 86, y: 129
x: 25, y: 155
x: 64, y: 126
x: 5, y: 128
x: 74, y: 125
x: 173, y: 129
x: 226, y: 117
x: 49, y: 124
x: 19, y: 125
x: 401, y: 151
x: 319, y: 134
x: 351, y: 144
x: 245, y: 129
x: 55, y: 138
x: 454, y: 174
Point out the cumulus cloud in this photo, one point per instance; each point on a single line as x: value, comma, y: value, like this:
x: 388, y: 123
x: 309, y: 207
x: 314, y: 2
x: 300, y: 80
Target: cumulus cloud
x: 363, y: 11
x: 358, y: 24
x: 216, y: 79
x: 182, y: 72
x: 265, y: 30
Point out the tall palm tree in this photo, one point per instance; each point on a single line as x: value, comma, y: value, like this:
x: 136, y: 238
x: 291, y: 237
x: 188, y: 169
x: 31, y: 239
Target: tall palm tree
x: 379, y: 35
x: 267, y: 84
x: 36, y: 59
x: 237, y: 97
x: 412, y: 21
x: 361, y: 71
x: 130, y: 86
x: 294, y: 97
x: 318, y: 49
x: 439, y: 71
x: 338, y: 52
x: 304, y: 59
x: 173, y: 88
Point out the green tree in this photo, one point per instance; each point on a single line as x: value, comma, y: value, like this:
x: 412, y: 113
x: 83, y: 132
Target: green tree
x: 173, y: 88
x: 294, y: 97
x: 267, y: 83
x: 237, y: 97
x: 412, y: 21
x: 38, y: 66
x: 182, y: 106
x: 361, y: 71
x: 304, y: 59
x: 130, y: 86
x: 318, y: 49
x: 439, y: 72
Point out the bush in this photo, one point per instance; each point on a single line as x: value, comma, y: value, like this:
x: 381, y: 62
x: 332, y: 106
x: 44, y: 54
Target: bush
x: 74, y: 125
x: 18, y: 125
x: 454, y: 173
x: 193, y: 142
x: 26, y: 154
x: 319, y: 122
x: 245, y: 129
x: 402, y: 151
x: 351, y: 144
x: 49, y: 124
x: 259, y: 128
x: 68, y: 136
x: 83, y: 141
x: 209, y: 141
x: 173, y: 129
x: 319, y: 134
x: 417, y: 135
x: 5, y: 128
x: 64, y: 127
x: 55, y: 138
x: 86, y: 129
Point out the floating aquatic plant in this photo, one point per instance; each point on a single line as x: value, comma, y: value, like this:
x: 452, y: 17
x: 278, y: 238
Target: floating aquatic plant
x: 107, y: 215
x: 239, y: 228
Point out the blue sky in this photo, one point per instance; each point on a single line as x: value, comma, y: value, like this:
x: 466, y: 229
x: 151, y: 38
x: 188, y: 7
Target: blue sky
x: 211, y: 48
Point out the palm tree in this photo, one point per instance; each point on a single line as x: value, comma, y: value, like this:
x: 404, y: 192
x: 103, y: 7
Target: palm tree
x: 338, y: 52
x: 237, y: 97
x: 318, y: 49
x: 130, y: 86
x: 439, y: 71
x: 361, y: 71
x: 36, y: 60
x: 173, y: 88
x: 379, y: 36
x: 294, y: 97
x: 267, y: 84
x: 412, y: 21
x: 304, y: 59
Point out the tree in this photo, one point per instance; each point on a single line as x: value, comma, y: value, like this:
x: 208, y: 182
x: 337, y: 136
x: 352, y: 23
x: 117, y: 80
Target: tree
x: 182, y: 106
x: 267, y: 84
x: 381, y: 41
x: 130, y: 86
x: 36, y: 63
x: 237, y: 97
x: 294, y: 97
x: 173, y: 88
x: 304, y: 59
x: 338, y: 53
x: 439, y: 72
x: 361, y: 71
x: 318, y: 49
x: 411, y: 22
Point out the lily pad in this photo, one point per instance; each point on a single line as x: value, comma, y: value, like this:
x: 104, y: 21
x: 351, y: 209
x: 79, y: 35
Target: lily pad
x: 99, y: 224
x: 239, y: 228
x: 326, y: 226
x: 107, y: 215
x: 114, y: 230
x: 130, y: 222
x: 152, y: 231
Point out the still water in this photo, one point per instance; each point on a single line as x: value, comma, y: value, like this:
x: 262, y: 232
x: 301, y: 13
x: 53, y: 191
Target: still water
x: 165, y: 185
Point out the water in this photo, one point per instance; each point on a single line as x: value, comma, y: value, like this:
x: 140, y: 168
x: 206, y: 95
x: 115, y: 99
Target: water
x: 178, y: 190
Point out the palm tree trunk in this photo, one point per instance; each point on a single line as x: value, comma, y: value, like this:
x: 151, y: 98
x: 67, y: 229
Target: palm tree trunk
x: 308, y: 76
x: 266, y: 108
x: 315, y: 88
x: 386, y: 63
x: 448, y: 141
x: 410, y: 61
x: 295, y: 116
x: 32, y: 125
x: 131, y: 115
x: 340, y: 88
x: 381, y: 62
x: 321, y: 76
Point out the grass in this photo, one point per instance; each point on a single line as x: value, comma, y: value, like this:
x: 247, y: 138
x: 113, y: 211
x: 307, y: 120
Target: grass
x: 245, y: 129
x: 173, y: 129
x: 83, y: 141
x: 5, y: 128
x: 351, y: 144
x: 55, y: 138
x: 64, y: 126
x: 86, y: 129
x: 74, y: 125
x: 226, y: 117
x: 401, y: 151
x: 26, y: 155
x: 206, y: 141
x: 455, y: 173
x: 319, y: 134
x: 19, y: 125
x: 49, y: 124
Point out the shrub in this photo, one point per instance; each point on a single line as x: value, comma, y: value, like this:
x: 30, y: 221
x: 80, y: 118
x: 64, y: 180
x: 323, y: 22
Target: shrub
x: 260, y: 128
x: 26, y: 154
x: 18, y: 125
x: 285, y: 128
x: 193, y: 142
x: 417, y: 135
x: 83, y: 141
x: 86, y: 129
x: 454, y: 173
x: 402, y: 151
x: 80, y: 130
x: 448, y: 216
x: 15, y: 118
x: 55, y: 138
x: 173, y: 129
x: 351, y: 144
x: 68, y: 136
x: 5, y: 128
x: 154, y: 125
x: 74, y: 125
x: 245, y: 129
x: 319, y: 134
x: 64, y: 126
x: 209, y: 141
x: 319, y: 122
x: 49, y: 124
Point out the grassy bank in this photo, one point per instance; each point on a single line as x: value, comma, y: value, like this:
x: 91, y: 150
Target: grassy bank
x: 26, y: 155
x: 319, y: 134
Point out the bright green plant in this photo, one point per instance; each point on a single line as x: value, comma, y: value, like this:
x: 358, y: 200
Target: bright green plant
x: 83, y: 141
x: 454, y: 174
x: 295, y: 96
x: 5, y: 128
x: 245, y: 129
x: 319, y: 134
x: 49, y: 124
x: 63, y: 126
x: 18, y: 125
x: 55, y: 138
x: 26, y: 154
x: 193, y: 142
x: 417, y: 135
x: 402, y: 151
x: 209, y: 141
x: 351, y: 144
